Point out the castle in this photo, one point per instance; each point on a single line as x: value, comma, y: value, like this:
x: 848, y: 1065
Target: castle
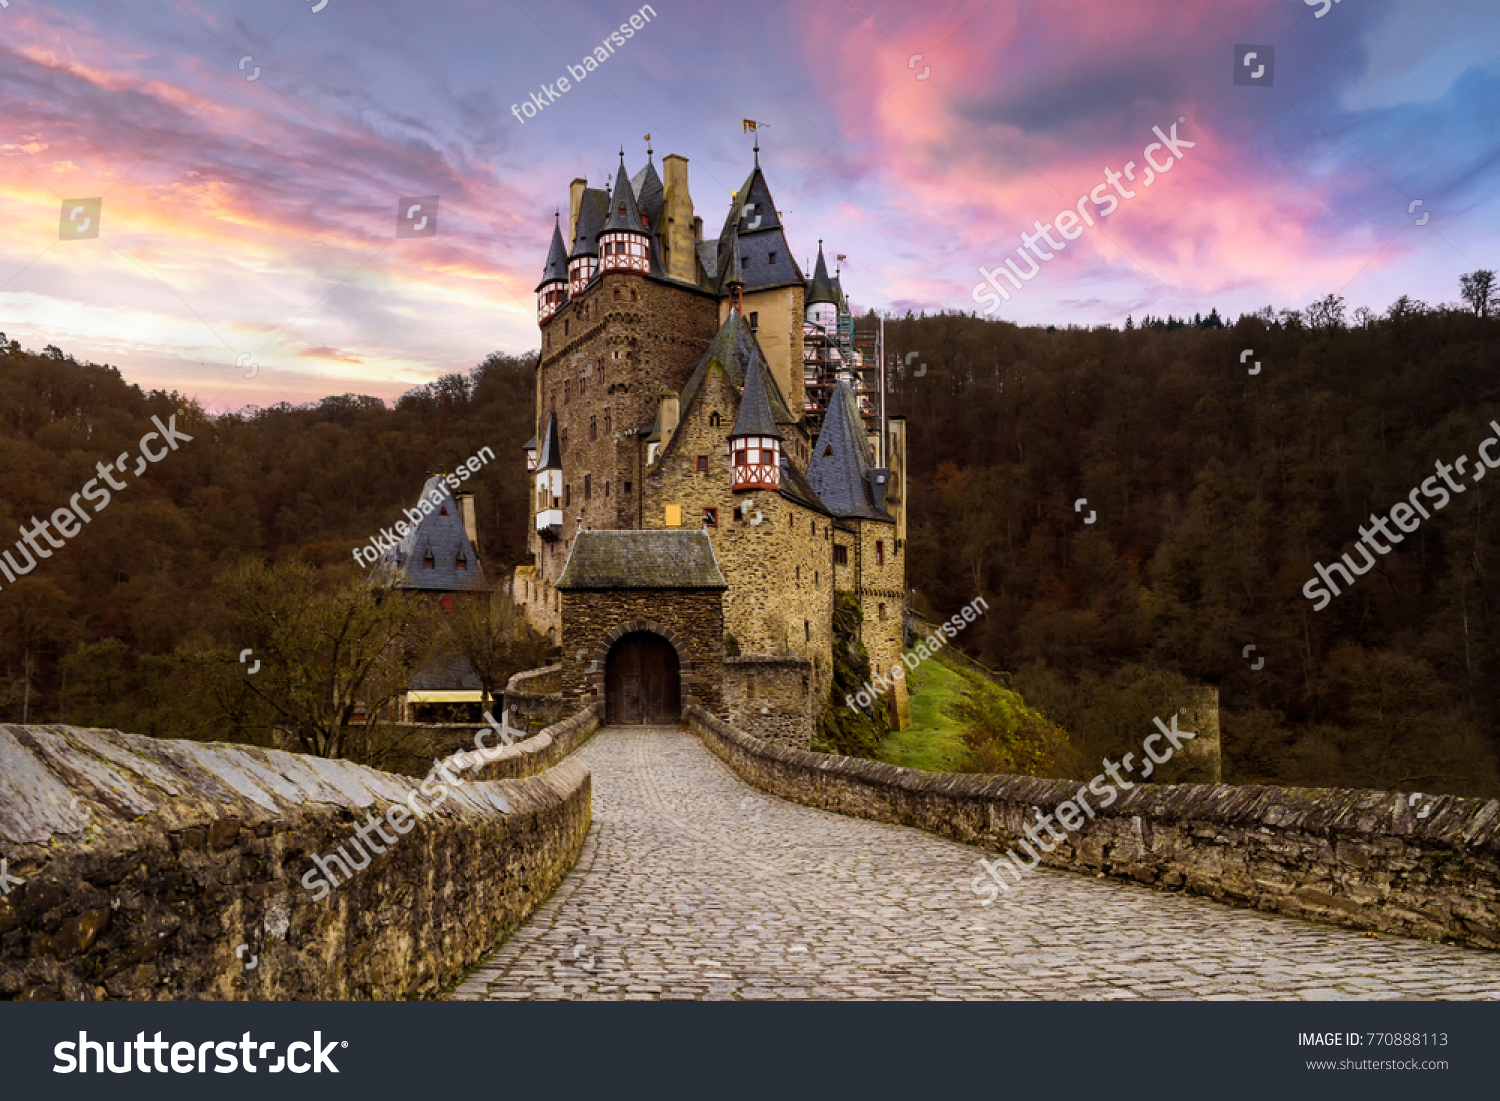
x: 712, y: 463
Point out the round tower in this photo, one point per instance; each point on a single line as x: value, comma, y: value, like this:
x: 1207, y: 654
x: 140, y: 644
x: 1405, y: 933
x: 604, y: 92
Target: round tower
x: 755, y: 441
x: 552, y: 291
x: 625, y: 243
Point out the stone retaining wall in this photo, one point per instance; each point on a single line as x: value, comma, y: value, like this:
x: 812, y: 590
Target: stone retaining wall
x: 1365, y: 859
x: 535, y: 698
x: 165, y: 870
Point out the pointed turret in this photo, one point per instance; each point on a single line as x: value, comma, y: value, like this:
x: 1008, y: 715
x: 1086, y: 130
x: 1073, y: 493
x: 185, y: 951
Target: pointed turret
x: 625, y: 243
x: 549, y: 483
x: 755, y: 441
x: 821, y: 287
x: 552, y: 291
x: 840, y: 472
x: 583, y: 261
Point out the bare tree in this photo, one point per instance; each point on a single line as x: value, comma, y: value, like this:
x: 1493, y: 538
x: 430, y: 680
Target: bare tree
x: 1478, y: 290
x: 325, y: 654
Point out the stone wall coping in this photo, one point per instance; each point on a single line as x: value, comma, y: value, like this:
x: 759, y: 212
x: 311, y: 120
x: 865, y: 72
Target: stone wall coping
x: 1453, y: 821
x: 538, y: 753
x: 790, y: 660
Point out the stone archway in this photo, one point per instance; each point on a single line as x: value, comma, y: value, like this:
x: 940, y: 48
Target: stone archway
x: 642, y: 681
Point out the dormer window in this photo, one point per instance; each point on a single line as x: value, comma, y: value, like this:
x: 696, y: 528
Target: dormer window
x: 428, y: 562
x: 443, y: 511
x: 462, y: 563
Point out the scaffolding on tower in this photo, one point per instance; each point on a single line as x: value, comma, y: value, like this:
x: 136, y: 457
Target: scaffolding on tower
x: 841, y: 353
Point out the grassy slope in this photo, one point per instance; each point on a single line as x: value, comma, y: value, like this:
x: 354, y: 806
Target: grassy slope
x: 934, y: 742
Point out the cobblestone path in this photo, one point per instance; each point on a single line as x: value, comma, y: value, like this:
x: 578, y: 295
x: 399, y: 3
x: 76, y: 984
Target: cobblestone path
x: 694, y: 885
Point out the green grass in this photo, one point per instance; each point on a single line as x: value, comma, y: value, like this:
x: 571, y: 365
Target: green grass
x: 935, y: 742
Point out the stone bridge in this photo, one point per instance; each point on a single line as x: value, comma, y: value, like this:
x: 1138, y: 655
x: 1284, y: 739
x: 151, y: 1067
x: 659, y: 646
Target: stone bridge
x: 695, y: 862
x: 693, y: 884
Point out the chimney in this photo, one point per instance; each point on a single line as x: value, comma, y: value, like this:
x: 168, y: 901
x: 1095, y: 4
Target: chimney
x: 698, y: 230
x: 670, y: 410
x: 466, y: 510
x: 677, y: 203
x: 575, y: 200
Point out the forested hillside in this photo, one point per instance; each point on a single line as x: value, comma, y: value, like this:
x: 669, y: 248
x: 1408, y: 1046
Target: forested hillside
x: 1213, y: 491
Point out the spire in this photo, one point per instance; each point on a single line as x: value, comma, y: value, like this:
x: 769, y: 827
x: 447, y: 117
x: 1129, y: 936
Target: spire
x: 550, y: 457
x: 556, y: 270
x: 624, y: 214
x: 593, y: 208
x: 755, y: 417
x: 734, y: 273
x: 821, y: 288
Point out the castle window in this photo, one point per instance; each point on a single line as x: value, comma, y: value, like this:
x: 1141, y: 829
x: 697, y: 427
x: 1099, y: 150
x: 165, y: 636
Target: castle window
x: 593, y: 428
x: 443, y: 511
x: 773, y: 258
x: 807, y: 630
x: 703, y: 464
x: 462, y: 563
x: 799, y: 575
x: 566, y: 323
x: 627, y: 487
x: 567, y: 391
x: 588, y: 487
x: 768, y: 456
x: 447, y: 602
x: 815, y: 579
x: 882, y: 610
x: 710, y: 517
x: 814, y: 526
x: 427, y: 561
x: 828, y: 451
x: 617, y: 294
x: 713, y: 420
x: 606, y: 491
x: 879, y: 553
x: 840, y: 555
x: 606, y: 419
x: 632, y: 294
x: 567, y: 495
x: 754, y: 320
x: 739, y: 513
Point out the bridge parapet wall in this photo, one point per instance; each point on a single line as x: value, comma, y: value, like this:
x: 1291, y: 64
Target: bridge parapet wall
x: 164, y: 869
x: 535, y: 697
x: 1363, y: 859
x: 537, y: 753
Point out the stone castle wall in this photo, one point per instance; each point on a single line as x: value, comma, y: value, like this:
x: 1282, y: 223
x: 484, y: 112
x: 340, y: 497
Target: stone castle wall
x: 1363, y: 859
x: 146, y: 865
x: 771, y: 698
x: 534, y: 697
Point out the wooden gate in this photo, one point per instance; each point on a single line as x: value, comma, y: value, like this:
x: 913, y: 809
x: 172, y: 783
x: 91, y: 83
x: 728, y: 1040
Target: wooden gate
x: 641, y: 682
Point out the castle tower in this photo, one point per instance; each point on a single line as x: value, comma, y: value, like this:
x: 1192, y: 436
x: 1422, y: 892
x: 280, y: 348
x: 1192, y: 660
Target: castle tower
x: 552, y: 291
x: 822, y: 302
x: 549, y: 484
x: 624, y: 243
x: 583, y: 261
x: 755, y: 442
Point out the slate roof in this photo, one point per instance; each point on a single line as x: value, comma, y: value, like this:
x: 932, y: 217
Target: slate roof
x: 733, y: 347
x: 642, y: 560
x: 624, y: 214
x: 840, y: 478
x: 593, y: 209
x: 550, y: 457
x: 446, y: 672
x: 649, y: 193
x: 556, y: 270
x: 445, y: 538
x: 734, y: 271
x: 821, y: 287
x: 758, y: 192
x: 755, y: 417
x: 708, y: 259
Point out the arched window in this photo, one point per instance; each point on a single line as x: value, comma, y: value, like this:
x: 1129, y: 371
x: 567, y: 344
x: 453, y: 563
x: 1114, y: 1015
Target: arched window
x: 714, y: 420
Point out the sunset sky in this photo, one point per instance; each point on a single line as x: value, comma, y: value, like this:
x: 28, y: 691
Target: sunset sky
x: 257, y: 217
